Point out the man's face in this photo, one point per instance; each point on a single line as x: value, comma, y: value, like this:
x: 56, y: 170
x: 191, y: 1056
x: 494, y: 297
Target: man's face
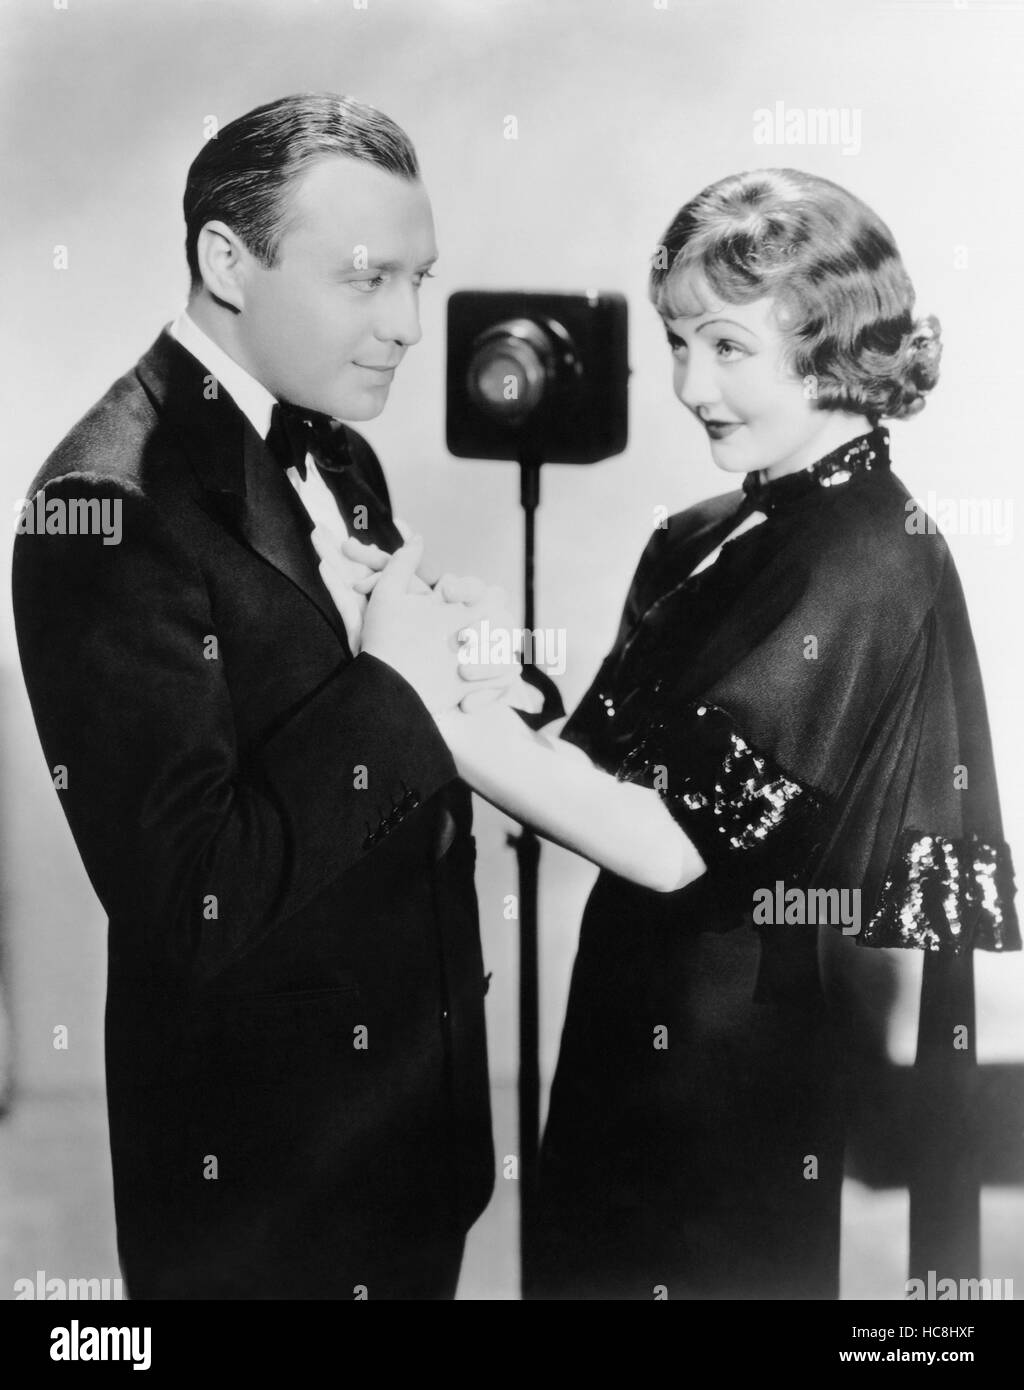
x: 326, y: 326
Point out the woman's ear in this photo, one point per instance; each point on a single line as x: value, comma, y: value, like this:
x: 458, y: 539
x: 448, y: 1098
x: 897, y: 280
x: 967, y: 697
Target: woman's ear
x: 223, y: 263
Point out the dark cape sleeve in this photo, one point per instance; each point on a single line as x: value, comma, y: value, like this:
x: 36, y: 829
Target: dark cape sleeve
x: 811, y: 711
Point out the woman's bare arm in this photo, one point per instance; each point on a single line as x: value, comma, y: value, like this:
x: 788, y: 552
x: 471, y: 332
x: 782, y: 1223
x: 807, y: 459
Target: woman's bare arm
x: 563, y: 796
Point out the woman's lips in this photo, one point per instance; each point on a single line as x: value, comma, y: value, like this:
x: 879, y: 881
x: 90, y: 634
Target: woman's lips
x: 721, y: 429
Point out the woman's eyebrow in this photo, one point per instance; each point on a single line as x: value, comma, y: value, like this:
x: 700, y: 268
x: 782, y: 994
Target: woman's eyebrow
x: 732, y: 323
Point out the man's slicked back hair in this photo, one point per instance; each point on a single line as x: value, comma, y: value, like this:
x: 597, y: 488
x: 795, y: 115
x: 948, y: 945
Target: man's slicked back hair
x: 244, y: 175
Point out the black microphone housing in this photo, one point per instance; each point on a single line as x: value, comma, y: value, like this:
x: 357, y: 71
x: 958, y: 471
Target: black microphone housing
x: 537, y: 375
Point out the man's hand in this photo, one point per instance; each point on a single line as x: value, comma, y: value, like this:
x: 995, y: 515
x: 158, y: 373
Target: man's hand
x: 375, y: 560
x: 418, y: 635
x: 413, y: 633
x: 450, y: 587
x: 486, y: 655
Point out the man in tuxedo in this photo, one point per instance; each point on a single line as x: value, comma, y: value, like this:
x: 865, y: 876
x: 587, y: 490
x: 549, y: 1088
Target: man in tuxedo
x: 247, y: 753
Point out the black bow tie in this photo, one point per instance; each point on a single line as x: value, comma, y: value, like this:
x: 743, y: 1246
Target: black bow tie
x: 296, y: 432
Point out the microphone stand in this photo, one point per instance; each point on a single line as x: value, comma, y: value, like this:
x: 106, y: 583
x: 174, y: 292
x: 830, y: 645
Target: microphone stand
x: 527, y: 848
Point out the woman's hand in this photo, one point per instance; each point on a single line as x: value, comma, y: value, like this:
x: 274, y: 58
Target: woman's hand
x: 436, y: 644
x: 413, y: 633
x: 486, y: 652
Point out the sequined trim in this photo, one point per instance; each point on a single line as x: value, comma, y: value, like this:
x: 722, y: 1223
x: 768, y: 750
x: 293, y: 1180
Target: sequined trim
x: 947, y: 895
x: 861, y: 455
x: 833, y: 470
x: 748, y: 800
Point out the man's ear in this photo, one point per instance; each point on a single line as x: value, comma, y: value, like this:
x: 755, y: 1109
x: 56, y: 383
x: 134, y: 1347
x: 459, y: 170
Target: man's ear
x: 223, y: 263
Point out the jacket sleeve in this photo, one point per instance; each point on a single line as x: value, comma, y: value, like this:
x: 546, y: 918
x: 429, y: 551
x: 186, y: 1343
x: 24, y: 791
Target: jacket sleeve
x: 137, y: 726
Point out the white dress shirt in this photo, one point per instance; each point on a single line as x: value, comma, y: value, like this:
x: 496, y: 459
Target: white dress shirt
x: 256, y: 403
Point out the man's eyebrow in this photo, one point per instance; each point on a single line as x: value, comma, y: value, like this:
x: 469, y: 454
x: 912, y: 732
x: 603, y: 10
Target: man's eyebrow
x: 390, y: 265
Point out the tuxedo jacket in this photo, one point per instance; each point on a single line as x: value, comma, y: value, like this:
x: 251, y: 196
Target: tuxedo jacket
x: 295, y: 1046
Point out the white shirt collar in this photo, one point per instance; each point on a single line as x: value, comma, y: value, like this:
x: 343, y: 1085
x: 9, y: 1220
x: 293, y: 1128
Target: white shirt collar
x: 251, y: 396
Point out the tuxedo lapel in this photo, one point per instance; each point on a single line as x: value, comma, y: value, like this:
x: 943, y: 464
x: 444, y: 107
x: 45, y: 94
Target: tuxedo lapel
x: 245, y: 489
x: 274, y: 523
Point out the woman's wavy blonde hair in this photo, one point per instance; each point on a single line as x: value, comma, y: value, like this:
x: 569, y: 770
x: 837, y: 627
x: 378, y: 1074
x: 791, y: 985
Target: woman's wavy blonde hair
x: 833, y: 269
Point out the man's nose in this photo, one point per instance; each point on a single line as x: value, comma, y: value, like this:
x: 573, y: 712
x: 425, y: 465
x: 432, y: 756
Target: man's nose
x: 399, y: 318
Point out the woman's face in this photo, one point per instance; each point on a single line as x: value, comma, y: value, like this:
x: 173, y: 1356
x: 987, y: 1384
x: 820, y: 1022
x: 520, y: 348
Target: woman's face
x: 730, y: 371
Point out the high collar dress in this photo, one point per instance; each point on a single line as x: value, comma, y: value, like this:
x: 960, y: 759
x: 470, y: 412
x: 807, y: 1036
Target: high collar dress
x: 795, y: 675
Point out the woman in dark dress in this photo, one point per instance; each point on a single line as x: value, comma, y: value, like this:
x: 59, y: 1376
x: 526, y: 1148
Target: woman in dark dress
x: 795, y: 681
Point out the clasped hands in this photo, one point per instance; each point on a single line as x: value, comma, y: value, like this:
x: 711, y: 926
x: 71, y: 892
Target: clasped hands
x: 434, y: 636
